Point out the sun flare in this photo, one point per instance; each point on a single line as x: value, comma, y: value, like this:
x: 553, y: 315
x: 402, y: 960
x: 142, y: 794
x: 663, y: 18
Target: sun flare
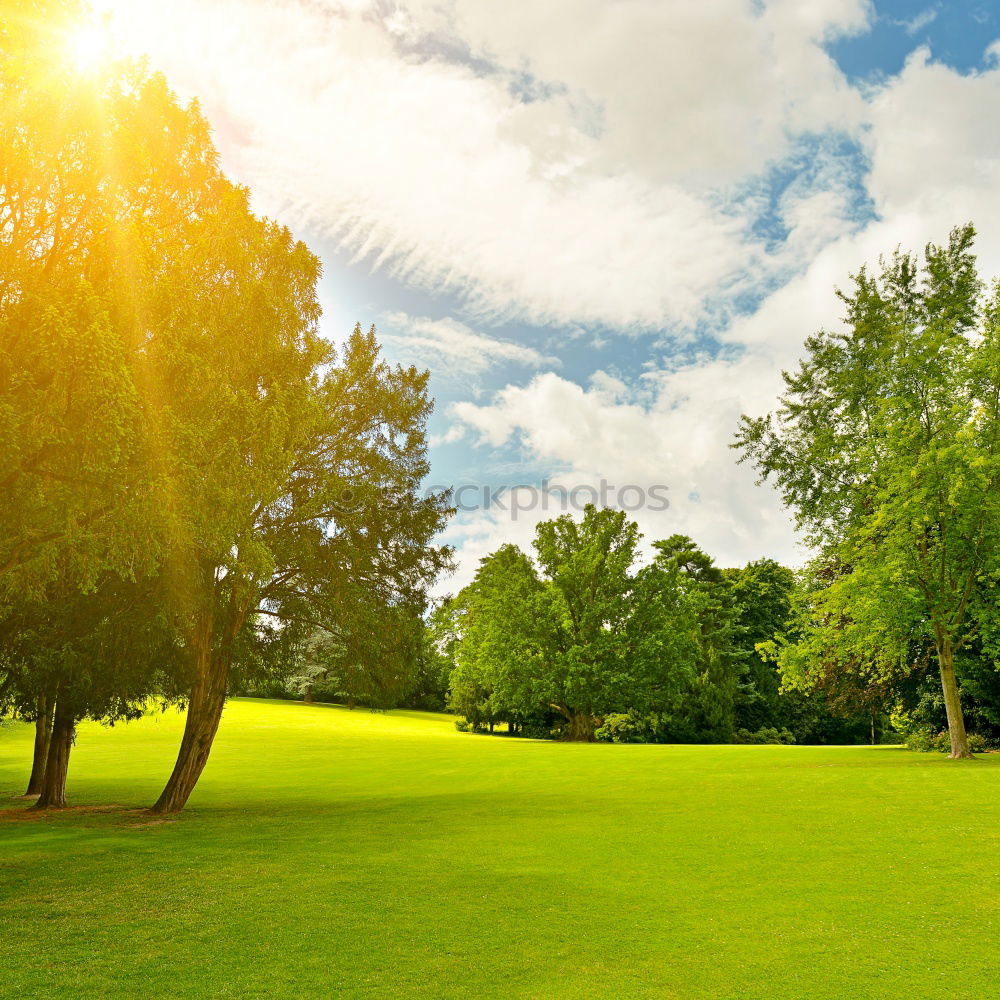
x: 90, y: 47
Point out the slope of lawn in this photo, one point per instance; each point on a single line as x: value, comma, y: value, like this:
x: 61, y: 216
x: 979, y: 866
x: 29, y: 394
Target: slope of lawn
x: 332, y: 853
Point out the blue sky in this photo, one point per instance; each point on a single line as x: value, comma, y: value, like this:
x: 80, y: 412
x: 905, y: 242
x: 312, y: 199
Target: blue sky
x: 604, y: 225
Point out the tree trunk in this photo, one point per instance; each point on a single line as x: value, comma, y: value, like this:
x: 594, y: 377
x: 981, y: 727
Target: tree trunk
x: 952, y: 703
x: 208, y: 697
x: 581, y: 728
x: 350, y: 702
x: 43, y: 732
x: 52, y: 794
x: 307, y: 694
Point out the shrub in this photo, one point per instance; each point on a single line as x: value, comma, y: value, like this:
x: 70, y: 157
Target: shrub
x: 926, y: 740
x: 535, y: 731
x: 462, y: 725
x: 920, y: 740
x: 979, y: 743
x: 767, y: 735
x: 626, y: 727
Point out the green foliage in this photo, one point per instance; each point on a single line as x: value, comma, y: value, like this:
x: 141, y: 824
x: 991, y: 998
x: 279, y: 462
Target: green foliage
x: 926, y: 740
x: 627, y: 727
x: 575, y: 639
x: 767, y: 735
x: 587, y: 639
x: 696, y: 616
x: 763, y: 592
x: 179, y: 447
x: 885, y: 445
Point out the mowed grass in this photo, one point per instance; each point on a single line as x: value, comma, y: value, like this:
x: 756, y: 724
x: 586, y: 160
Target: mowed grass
x: 331, y: 853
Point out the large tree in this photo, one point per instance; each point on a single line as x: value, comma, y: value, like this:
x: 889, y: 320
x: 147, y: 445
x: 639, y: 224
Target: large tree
x: 320, y: 463
x: 170, y: 415
x: 105, y: 180
x: 885, y: 445
x: 100, y: 178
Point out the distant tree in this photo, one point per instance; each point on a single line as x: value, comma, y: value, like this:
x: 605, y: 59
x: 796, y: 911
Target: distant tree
x: 588, y: 565
x: 710, y: 659
x: 504, y: 622
x: 586, y: 636
x: 762, y: 593
x: 885, y: 445
x: 429, y: 682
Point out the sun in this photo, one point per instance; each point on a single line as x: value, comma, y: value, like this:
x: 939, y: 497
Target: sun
x: 90, y: 47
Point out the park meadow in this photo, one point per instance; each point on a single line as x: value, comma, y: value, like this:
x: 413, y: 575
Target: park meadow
x: 281, y: 717
x: 338, y: 853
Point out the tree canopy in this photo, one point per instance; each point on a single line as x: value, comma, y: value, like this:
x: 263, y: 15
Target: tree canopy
x: 885, y: 446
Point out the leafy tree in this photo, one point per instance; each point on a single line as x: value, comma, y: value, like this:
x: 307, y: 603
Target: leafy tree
x: 169, y: 412
x: 885, y: 446
x: 321, y: 466
x: 703, y: 630
x: 103, y: 183
x: 589, y: 569
x: 506, y: 631
x: 762, y: 593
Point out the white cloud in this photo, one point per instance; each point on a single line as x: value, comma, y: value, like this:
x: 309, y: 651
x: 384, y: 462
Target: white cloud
x: 674, y: 432
x: 563, y: 162
x: 586, y: 164
x: 932, y: 165
x: 919, y: 21
x: 451, y: 348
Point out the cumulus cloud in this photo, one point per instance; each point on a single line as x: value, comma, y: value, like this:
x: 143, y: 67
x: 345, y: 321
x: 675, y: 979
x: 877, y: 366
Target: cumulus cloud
x: 932, y: 165
x: 672, y: 431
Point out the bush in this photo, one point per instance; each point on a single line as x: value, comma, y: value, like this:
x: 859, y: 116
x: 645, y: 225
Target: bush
x: 766, y: 736
x: 626, y: 727
x: 535, y: 731
x: 979, y: 743
x: 926, y: 740
x: 462, y: 725
x: 920, y: 741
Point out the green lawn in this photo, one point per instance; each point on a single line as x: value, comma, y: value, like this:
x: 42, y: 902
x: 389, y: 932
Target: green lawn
x: 332, y: 853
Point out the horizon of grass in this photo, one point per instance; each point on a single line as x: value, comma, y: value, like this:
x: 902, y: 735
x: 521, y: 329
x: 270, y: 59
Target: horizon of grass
x: 329, y: 852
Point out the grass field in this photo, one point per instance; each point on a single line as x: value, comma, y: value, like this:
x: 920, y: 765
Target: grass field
x: 332, y: 853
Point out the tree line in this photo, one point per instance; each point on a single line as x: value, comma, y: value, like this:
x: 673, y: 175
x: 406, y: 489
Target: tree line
x: 885, y: 448
x: 194, y: 481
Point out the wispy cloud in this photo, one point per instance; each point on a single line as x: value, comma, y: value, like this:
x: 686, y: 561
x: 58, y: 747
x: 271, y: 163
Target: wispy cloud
x: 919, y: 21
x: 604, y: 194
x: 451, y: 347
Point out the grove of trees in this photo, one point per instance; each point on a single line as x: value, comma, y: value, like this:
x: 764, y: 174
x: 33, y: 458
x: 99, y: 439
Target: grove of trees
x: 583, y: 642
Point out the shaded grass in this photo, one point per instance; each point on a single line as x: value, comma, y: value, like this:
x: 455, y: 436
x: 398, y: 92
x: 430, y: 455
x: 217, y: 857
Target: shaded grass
x: 333, y: 853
